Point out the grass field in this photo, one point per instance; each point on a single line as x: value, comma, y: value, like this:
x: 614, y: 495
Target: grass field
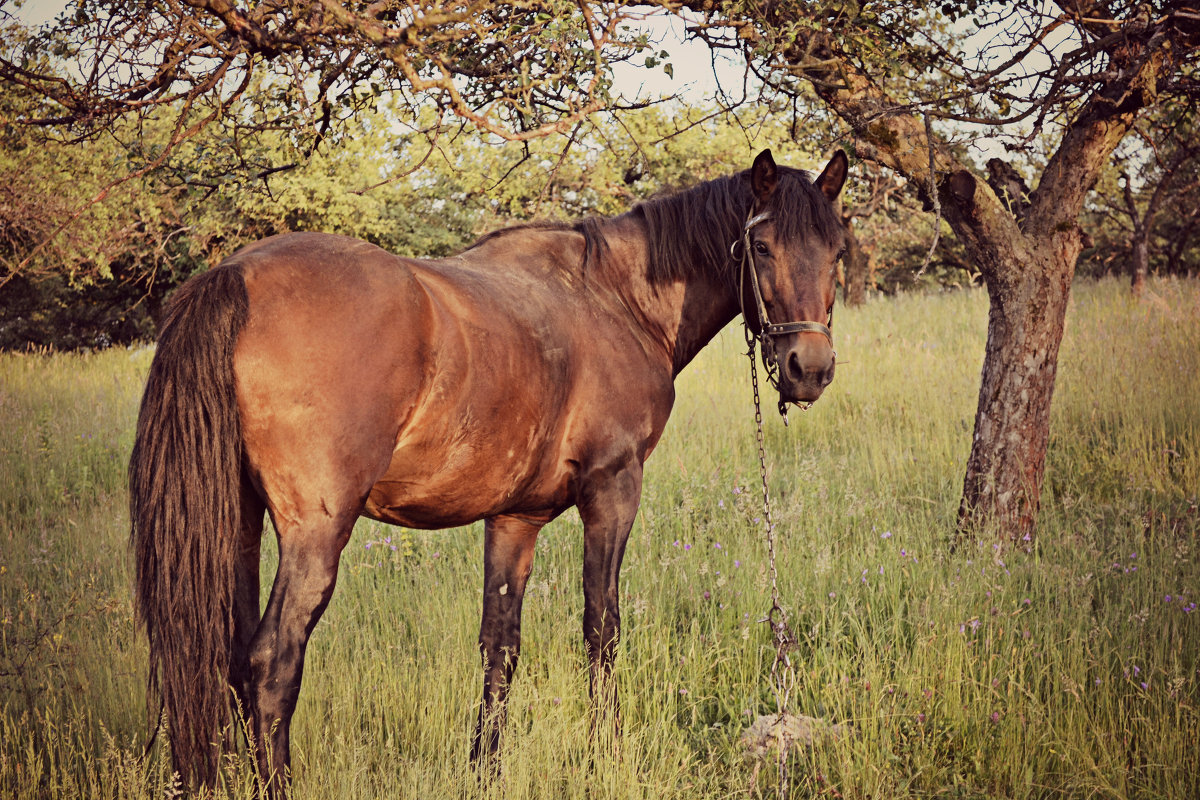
x: 1069, y: 671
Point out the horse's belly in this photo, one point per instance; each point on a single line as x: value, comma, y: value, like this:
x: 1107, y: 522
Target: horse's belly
x: 416, y: 514
x: 451, y: 489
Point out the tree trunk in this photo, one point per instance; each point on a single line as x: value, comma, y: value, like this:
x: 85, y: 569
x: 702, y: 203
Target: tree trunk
x: 1002, y: 486
x: 1139, y: 261
x: 857, y: 268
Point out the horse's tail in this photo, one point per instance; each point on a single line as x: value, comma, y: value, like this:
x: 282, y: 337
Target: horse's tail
x: 184, y: 508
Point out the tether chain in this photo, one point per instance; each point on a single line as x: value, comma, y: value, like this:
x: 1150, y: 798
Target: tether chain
x: 776, y: 617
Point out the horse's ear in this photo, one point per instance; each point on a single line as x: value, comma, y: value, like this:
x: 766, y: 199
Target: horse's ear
x: 833, y: 176
x: 764, y: 176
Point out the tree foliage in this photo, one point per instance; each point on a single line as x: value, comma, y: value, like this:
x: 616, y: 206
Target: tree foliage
x: 514, y: 70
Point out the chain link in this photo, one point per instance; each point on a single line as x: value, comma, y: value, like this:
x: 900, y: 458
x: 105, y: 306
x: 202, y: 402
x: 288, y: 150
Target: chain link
x: 776, y: 617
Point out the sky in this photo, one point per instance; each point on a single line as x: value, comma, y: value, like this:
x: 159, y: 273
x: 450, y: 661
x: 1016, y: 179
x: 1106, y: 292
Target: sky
x: 695, y: 74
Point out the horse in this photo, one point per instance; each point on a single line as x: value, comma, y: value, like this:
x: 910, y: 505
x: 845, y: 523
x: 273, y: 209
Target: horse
x: 318, y: 378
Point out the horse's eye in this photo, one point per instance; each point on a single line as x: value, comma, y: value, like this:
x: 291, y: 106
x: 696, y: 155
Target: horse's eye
x: 841, y: 254
x: 829, y: 316
x: 761, y: 248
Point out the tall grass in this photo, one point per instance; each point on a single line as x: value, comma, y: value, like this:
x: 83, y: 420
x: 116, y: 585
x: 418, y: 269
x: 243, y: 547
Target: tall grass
x: 1071, y: 670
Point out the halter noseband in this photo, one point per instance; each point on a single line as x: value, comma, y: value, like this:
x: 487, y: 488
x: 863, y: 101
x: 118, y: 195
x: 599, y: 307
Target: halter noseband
x: 767, y: 329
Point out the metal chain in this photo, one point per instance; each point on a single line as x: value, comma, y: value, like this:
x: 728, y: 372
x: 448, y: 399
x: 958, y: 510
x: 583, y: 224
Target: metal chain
x: 776, y: 617
x: 782, y: 675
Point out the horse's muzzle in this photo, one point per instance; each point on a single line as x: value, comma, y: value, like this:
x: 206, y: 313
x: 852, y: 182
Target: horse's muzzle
x: 805, y: 369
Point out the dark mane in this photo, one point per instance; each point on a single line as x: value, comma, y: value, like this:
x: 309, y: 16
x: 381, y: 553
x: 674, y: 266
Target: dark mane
x: 691, y: 231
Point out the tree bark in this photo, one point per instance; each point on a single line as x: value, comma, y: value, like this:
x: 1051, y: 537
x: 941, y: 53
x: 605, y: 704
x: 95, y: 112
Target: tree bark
x: 1028, y: 273
x: 1003, y: 480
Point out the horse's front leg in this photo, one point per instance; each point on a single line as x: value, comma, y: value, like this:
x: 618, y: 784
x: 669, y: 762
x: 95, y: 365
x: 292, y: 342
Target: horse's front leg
x: 608, y: 505
x: 507, y: 560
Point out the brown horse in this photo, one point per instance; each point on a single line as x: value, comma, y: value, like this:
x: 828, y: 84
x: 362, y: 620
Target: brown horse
x: 319, y: 378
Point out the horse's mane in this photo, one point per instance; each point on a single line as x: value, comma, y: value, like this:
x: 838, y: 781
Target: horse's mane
x: 691, y: 231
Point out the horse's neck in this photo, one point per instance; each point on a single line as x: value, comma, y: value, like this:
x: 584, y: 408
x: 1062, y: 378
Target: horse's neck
x: 708, y: 306
x: 683, y: 315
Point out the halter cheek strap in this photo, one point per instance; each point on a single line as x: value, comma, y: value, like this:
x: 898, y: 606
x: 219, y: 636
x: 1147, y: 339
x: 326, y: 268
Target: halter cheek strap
x: 767, y: 329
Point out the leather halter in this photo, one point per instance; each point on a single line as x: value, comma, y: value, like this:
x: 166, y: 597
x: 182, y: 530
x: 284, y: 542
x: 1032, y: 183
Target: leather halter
x: 767, y: 329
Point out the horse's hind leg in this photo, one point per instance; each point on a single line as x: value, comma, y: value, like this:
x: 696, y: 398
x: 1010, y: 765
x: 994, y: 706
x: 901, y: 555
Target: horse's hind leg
x: 507, y: 561
x: 309, y: 550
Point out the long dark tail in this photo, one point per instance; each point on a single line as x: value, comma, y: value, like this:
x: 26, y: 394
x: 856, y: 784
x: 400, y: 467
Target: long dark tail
x: 184, y: 503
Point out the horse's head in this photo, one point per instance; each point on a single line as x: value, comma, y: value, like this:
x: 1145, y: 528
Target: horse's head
x: 791, y: 244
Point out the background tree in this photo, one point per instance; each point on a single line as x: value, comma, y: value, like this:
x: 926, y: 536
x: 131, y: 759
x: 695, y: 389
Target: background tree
x: 298, y: 73
x: 872, y: 196
x: 1154, y: 179
x: 103, y: 278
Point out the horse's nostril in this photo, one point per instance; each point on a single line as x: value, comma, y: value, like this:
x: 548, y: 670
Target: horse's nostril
x: 794, y: 368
